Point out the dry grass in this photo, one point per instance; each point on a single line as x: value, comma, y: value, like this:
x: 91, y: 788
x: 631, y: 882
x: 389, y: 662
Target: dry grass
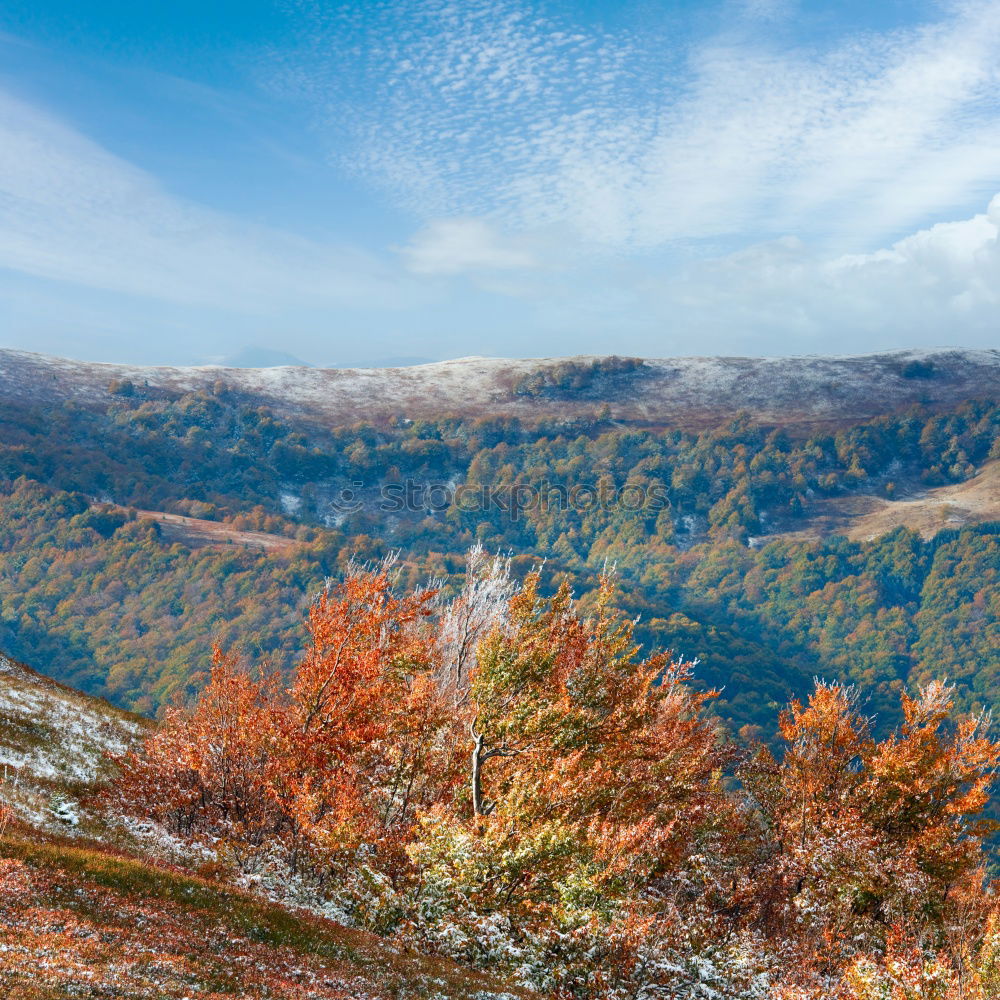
x: 82, y: 917
x: 973, y: 502
x: 79, y: 917
x: 862, y: 517
x: 195, y: 532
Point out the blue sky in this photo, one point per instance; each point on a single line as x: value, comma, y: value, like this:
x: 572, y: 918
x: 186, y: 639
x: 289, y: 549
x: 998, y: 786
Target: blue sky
x: 439, y: 178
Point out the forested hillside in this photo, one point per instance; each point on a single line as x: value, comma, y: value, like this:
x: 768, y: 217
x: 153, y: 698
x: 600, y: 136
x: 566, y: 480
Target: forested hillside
x: 508, y: 480
x: 490, y: 795
x: 536, y: 694
x: 702, y: 527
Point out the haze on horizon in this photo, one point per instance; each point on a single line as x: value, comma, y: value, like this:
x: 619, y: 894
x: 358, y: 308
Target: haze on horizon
x: 351, y: 182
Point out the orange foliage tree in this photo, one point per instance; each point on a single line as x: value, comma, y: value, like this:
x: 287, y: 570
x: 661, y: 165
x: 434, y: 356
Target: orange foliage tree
x: 343, y: 756
x: 866, y: 845
x: 615, y: 751
x: 523, y: 787
x: 365, y: 715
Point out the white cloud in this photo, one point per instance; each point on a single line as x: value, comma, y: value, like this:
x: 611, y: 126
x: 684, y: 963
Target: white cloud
x: 452, y: 246
x: 576, y: 188
x: 938, y: 286
x: 493, y: 109
x: 70, y: 211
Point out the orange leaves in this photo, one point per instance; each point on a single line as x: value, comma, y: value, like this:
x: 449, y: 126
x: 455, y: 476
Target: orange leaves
x: 365, y: 642
x: 934, y: 769
x: 614, y: 750
x: 861, y: 835
x: 357, y: 686
x: 211, y: 772
x: 369, y: 720
x: 928, y: 784
x: 344, y: 755
x: 509, y: 771
x: 907, y: 971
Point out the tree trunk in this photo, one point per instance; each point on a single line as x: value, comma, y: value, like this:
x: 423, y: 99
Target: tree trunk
x: 477, y: 766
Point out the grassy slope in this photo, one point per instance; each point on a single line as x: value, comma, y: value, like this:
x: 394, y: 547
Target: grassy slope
x: 53, y: 746
x: 81, y: 918
x: 953, y: 506
x: 866, y: 516
x: 196, y: 531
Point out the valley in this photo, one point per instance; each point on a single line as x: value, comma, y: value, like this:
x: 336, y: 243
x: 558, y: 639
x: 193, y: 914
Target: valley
x: 142, y: 523
x: 194, y: 545
x: 499, y: 500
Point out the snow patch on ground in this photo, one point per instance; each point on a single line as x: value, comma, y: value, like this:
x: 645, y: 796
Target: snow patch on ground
x: 53, y: 744
x: 290, y: 503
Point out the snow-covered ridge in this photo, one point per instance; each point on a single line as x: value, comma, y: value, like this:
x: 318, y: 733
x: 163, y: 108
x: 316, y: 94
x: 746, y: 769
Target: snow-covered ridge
x: 683, y: 391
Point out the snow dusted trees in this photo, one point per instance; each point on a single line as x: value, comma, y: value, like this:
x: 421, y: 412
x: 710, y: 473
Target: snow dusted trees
x: 504, y: 778
x: 209, y: 773
x: 366, y: 716
x: 587, y: 735
x: 479, y: 610
x: 870, y: 852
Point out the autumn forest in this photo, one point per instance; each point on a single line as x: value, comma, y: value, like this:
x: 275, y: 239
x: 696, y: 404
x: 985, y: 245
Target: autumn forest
x: 599, y: 708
